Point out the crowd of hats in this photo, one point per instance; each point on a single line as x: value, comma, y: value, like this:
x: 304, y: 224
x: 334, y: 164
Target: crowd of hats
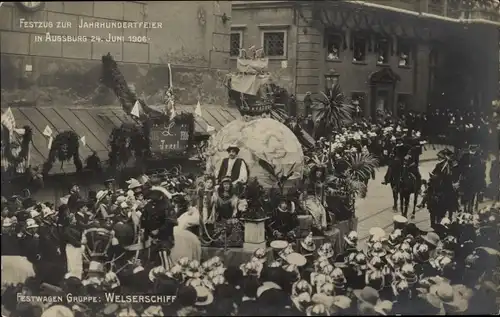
x: 450, y: 270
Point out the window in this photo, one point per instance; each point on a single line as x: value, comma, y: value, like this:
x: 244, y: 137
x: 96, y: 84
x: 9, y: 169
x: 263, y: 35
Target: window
x: 334, y: 42
x: 358, y: 101
x: 359, y: 48
x: 236, y: 43
x: 404, y: 54
x: 382, y: 49
x: 274, y: 43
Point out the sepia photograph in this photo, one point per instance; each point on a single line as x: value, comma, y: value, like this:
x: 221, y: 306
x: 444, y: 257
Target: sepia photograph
x: 250, y: 158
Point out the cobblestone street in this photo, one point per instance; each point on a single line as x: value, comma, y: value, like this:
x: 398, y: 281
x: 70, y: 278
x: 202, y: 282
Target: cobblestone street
x: 376, y: 209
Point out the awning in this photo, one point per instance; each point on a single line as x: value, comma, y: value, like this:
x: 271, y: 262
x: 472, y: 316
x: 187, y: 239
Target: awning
x: 96, y: 125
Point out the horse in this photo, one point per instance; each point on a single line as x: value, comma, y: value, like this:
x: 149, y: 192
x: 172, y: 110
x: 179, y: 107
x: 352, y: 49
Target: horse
x: 409, y: 183
x: 394, y: 180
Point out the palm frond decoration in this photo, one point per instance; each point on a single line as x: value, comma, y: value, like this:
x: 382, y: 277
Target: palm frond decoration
x: 343, y: 186
x: 332, y: 110
x: 359, y: 166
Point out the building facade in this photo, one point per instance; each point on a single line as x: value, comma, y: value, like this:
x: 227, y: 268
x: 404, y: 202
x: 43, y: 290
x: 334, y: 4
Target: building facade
x: 387, y: 55
x: 193, y: 37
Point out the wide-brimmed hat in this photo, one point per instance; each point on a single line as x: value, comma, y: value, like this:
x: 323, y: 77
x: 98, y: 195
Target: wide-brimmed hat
x: 204, y: 296
x: 408, y: 273
x: 367, y: 295
x: 429, y: 305
x: 308, y: 243
x: 399, y: 221
x: 351, y: 239
x: 58, y: 310
x: 317, y: 310
x: 326, y: 250
x: 338, y: 278
x: 431, y: 238
x: 342, y: 302
x: 452, y: 300
x: 301, y: 286
x: 297, y: 259
x: 384, y: 308
x: 377, y: 249
x: 327, y: 289
x: 31, y: 223
x: 260, y: 255
x: 233, y: 147
x: 375, y: 279
x: 156, y: 271
x: 376, y: 233
x: 133, y: 184
x: 395, y: 237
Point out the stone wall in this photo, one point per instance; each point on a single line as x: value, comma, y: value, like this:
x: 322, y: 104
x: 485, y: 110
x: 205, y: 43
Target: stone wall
x: 263, y: 16
x: 193, y: 39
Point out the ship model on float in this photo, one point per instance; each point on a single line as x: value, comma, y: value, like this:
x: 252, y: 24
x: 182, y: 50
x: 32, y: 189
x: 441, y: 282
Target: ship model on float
x: 252, y: 90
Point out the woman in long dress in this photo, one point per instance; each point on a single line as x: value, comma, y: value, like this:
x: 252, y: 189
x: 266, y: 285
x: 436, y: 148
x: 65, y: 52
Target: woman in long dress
x: 225, y: 213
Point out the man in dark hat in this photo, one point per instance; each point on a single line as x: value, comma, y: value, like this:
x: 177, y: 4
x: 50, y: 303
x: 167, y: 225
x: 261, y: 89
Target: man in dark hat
x: 234, y: 167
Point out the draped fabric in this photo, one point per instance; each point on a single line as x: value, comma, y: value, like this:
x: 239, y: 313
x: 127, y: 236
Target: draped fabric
x: 74, y: 258
x: 16, y: 269
x: 248, y: 84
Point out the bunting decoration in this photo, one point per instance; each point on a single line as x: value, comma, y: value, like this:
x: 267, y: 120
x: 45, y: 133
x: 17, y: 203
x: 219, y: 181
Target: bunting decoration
x: 136, y: 110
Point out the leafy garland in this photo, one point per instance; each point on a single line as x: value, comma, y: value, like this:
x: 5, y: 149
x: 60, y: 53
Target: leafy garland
x: 133, y: 140
x: 26, y: 140
x: 66, y: 145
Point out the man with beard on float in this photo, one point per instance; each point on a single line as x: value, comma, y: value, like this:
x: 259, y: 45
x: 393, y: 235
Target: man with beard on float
x: 233, y: 167
x: 284, y: 223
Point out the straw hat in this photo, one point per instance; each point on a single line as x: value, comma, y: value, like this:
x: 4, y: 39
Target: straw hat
x: 338, y: 278
x: 367, y: 295
x: 204, y: 296
x: 327, y: 289
x: 377, y: 233
x: 260, y: 254
x: 431, y: 238
x: 378, y: 250
x: 317, y: 310
x: 308, y: 243
x: 384, y: 307
x: 133, y: 184
x: 301, y: 286
x: 31, y: 223
x: 279, y: 244
x: 326, y: 250
x: 155, y: 272
x: 452, y: 300
x: 296, y: 259
x: 351, y: 239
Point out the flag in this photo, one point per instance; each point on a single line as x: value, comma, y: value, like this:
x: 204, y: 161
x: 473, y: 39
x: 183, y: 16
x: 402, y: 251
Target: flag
x: 8, y: 120
x: 136, y: 110
x: 210, y: 128
x: 170, y: 76
x: 172, y: 113
x: 198, y: 110
x: 82, y: 139
x: 47, y: 131
x: 49, y: 145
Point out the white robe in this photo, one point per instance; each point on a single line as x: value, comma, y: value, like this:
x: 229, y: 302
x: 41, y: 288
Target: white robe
x: 74, y: 259
x: 189, y: 219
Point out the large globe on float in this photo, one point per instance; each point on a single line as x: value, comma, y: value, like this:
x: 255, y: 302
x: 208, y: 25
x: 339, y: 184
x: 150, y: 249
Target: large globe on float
x: 261, y: 138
